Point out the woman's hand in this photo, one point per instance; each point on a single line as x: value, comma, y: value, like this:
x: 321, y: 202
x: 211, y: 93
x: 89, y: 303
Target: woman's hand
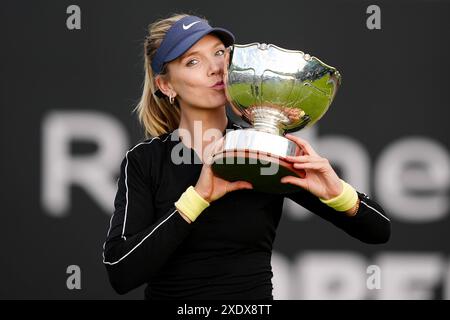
x: 211, y: 188
x: 320, y: 179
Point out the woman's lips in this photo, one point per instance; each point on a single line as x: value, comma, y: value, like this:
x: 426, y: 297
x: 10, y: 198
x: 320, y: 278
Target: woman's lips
x: 219, y: 85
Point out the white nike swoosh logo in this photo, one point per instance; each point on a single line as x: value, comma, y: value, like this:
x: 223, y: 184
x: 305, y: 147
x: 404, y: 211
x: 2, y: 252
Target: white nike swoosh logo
x: 189, y: 25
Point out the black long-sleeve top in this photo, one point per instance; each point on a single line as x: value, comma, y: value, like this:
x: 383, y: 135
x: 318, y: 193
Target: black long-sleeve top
x: 226, y: 252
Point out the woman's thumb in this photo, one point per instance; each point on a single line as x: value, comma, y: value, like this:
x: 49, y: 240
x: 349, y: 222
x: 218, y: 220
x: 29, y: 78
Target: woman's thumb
x: 237, y: 185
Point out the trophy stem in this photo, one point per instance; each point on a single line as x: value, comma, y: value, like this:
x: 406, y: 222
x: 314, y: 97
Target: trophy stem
x: 268, y: 119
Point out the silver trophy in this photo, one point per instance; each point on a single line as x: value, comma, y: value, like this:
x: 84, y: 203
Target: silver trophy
x: 275, y: 91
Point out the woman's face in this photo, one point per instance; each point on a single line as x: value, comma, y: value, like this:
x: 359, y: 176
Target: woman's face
x: 197, y: 76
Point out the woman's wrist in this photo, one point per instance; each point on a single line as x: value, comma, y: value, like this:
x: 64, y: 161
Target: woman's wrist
x: 191, y: 204
x: 345, y: 201
x: 336, y: 190
x: 185, y: 217
x: 204, y: 195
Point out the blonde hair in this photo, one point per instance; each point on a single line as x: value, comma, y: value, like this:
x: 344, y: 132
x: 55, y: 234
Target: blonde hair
x: 156, y: 115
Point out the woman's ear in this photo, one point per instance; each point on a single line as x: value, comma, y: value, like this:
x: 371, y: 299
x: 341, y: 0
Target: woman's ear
x: 164, y: 85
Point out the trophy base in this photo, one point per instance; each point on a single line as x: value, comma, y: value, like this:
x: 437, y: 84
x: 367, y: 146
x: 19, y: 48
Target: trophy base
x: 263, y: 170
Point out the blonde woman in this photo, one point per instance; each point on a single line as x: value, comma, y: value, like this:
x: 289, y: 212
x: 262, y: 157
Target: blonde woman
x: 176, y: 227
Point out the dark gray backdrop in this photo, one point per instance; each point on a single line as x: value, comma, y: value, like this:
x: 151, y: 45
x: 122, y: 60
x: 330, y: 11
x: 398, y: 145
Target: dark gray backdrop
x: 392, y: 107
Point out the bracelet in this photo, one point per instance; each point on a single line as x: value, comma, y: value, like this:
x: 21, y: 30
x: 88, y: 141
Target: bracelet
x: 345, y: 201
x: 191, y: 204
x: 356, y: 208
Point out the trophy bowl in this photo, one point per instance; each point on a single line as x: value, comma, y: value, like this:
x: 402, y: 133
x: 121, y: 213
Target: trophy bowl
x: 275, y: 91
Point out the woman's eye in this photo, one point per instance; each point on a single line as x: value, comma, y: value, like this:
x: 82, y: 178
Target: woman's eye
x: 220, y: 52
x: 192, y: 62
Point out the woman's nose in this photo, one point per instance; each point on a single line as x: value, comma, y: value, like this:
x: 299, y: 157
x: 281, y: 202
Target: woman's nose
x: 216, y: 66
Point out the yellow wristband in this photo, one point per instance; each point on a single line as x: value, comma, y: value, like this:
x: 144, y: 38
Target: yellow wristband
x: 345, y: 201
x: 191, y: 203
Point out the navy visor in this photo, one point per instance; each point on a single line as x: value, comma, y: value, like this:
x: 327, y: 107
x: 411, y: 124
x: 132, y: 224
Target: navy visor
x: 183, y: 35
